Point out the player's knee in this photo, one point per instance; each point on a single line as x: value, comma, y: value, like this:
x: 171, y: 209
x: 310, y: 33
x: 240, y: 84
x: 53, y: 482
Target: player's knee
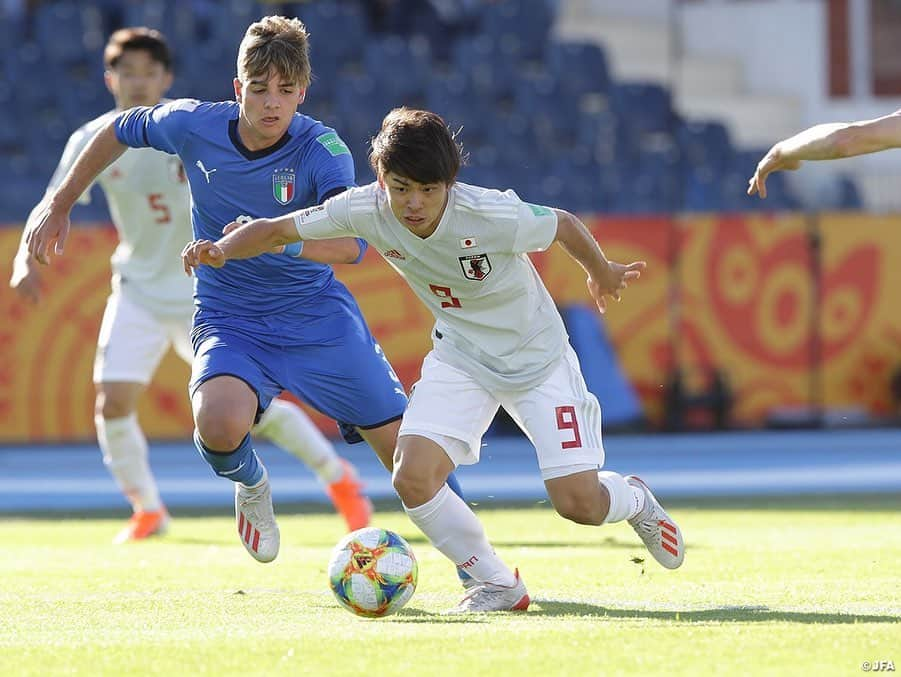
x: 413, y: 487
x: 109, y: 405
x: 580, y: 509
x: 219, y: 431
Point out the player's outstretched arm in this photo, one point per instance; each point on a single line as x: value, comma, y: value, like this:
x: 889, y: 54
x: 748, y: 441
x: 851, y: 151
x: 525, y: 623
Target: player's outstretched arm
x: 605, y: 278
x: 241, y: 241
x: 339, y: 250
x: 49, y: 224
x: 827, y: 142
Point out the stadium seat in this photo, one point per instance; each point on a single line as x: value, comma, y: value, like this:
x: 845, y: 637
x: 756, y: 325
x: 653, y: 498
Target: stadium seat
x: 60, y: 46
x: 412, y: 56
x: 580, y: 68
x: 701, y: 190
x: 645, y: 107
x: 525, y: 23
x: 704, y: 144
x: 491, y: 65
x: 553, y: 112
x: 338, y: 32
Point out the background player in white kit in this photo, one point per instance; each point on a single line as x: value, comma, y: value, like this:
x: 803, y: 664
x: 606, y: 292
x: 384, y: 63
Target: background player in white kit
x: 498, y: 341
x: 151, y: 303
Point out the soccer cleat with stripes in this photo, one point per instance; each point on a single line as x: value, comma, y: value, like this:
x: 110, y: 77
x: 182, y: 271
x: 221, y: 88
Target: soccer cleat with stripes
x: 144, y: 524
x: 487, y: 597
x: 656, y: 528
x: 256, y: 520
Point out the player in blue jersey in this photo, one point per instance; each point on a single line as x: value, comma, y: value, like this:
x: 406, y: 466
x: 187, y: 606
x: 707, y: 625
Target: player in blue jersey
x: 274, y: 323
x: 151, y: 304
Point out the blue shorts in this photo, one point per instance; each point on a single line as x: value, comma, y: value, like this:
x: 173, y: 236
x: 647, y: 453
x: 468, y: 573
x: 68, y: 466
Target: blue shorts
x: 330, y: 361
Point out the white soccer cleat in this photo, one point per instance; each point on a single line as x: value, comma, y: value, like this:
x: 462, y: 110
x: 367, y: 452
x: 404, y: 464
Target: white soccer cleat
x: 487, y: 597
x: 256, y: 520
x: 657, y: 529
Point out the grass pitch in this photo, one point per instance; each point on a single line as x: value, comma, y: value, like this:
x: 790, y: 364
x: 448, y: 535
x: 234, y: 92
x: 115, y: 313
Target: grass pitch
x: 809, y: 587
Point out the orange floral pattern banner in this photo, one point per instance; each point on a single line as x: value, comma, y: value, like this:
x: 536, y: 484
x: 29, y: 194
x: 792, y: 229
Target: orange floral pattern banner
x: 737, y: 293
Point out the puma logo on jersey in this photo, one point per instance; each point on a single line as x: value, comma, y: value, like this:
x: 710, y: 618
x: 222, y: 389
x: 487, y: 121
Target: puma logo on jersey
x: 206, y: 173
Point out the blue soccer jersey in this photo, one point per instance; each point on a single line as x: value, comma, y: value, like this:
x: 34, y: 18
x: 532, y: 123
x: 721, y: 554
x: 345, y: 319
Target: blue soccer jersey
x: 275, y: 321
x: 229, y: 182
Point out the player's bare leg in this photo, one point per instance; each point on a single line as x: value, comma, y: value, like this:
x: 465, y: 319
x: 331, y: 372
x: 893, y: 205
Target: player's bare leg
x: 591, y: 497
x: 125, y: 454
x: 286, y: 424
x: 383, y: 441
x: 224, y: 411
x: 421, y: 467
x: 579, y: 497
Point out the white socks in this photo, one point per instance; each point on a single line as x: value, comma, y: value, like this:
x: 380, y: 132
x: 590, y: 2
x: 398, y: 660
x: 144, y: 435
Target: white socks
x: 626, y: 501
x: 125, y: 450
x: 289, y: 427
x: 457, y: 533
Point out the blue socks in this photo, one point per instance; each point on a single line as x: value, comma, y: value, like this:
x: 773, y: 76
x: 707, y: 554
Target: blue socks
x: 241, y: 465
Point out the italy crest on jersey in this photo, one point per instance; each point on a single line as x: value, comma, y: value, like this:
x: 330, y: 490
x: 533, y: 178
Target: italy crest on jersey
x: 475, y: 267
x: 283, y: 185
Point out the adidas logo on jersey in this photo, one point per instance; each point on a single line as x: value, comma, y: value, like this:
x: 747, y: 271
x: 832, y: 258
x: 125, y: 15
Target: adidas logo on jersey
x: 394, y: 254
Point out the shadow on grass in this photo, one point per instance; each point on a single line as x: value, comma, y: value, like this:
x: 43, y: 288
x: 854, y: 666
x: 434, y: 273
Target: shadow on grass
x: 736, y: 614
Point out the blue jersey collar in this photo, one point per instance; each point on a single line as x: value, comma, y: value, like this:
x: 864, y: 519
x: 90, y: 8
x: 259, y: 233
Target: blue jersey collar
x: 253, y: 154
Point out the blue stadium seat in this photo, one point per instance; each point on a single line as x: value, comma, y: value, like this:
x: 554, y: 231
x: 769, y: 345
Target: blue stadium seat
x: 702, y: 191
x: 453, y: 99
x: 209, y: 71
x: 410, y: 58
x: 645, y: 107
x: 524, y: 24
x: 608, y: 137
x: 491, y: 64
x: 338, y: 32
x: 704, y: 144
x: 60, y: 46
x: 553, y: 113
x: 580, y: 68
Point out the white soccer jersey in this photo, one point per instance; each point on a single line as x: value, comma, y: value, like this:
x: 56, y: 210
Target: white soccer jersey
x: 494, y: 317
x: 149, y: 203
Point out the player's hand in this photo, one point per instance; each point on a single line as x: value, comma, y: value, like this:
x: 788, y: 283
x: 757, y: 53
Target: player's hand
x: 201, y: 253
x: 47, y: 228
x: 234, y: 225
x: 612, y: 281
x: 26, y: 280
x: 773, y: 161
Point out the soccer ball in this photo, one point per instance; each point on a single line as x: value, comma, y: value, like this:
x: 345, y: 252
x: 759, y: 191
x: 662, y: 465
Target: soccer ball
x: 373, y: 572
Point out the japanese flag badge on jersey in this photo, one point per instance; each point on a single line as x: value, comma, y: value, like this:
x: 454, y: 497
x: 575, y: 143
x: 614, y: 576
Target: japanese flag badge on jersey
x: 468, y: 243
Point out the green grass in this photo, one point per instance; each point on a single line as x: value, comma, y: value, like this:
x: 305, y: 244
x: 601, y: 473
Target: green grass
x: 799, y: 588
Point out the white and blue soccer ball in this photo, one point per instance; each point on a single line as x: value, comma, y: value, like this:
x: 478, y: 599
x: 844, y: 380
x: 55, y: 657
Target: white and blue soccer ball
x: 373, y: 572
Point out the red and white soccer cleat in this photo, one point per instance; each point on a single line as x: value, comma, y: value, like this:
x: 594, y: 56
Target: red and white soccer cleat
x: 661, y: 535
x: 487, y: 597
x: 349, y: 500
x: 143, y: 525
x: 256, y: 520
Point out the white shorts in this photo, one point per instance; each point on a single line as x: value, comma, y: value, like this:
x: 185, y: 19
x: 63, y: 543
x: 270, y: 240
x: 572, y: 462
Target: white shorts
x: 560, y: 417
x: 133, y: 341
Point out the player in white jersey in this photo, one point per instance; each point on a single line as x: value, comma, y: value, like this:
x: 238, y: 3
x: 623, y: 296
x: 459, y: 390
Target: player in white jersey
x: 151, y: 303
x: 498, y: 341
